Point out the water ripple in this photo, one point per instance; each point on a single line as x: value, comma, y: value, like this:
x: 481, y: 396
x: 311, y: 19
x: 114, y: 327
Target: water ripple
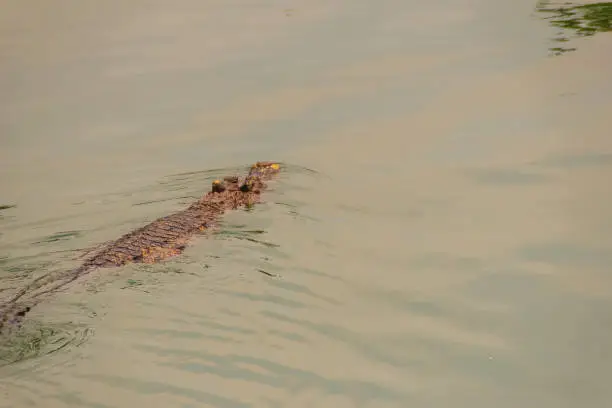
x: 148, y: 387
x: 37, y: 339
x: 272, y: 374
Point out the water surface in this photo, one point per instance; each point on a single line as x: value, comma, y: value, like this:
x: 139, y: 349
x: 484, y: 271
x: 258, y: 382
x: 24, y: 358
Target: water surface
x: 441, y: 236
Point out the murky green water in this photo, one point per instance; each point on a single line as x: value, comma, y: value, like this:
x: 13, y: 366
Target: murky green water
x: 441, y: 236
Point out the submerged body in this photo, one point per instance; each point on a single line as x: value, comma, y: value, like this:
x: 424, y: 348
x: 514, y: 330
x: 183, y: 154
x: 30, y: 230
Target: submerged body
x: 159, y: 240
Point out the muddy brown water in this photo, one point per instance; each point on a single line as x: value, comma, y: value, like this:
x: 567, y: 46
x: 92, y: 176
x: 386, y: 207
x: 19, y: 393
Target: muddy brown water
x: 440, y: 236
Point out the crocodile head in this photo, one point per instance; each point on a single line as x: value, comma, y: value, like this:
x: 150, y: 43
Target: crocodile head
x: 259, y: 172
x: 267, y: 166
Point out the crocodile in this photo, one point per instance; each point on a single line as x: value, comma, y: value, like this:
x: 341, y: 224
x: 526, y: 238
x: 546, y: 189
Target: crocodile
x: 159, y: 240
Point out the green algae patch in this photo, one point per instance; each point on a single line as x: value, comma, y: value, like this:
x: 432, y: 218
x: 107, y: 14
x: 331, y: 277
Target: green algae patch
x: 576, y: 21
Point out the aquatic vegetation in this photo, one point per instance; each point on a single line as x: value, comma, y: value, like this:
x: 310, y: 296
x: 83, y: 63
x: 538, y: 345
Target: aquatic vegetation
x: 583, y: 20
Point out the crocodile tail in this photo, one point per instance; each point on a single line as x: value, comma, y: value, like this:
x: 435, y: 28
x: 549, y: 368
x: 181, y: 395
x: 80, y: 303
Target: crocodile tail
x: 14, y: 310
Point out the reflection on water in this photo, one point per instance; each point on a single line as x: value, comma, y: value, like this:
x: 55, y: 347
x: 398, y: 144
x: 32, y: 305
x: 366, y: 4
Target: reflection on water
x: 441, y: 236
x: 582, y: 20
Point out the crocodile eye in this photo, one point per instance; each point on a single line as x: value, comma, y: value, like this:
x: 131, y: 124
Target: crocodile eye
x: 218, y: 186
